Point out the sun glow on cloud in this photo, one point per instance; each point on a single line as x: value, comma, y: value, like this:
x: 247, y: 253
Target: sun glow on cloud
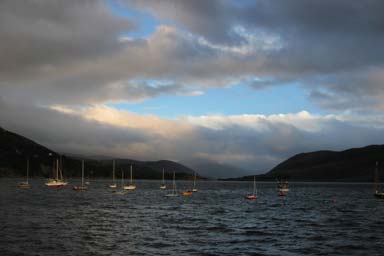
x: 242, y: 140
x: 150, y: 124
x: 176, y: 127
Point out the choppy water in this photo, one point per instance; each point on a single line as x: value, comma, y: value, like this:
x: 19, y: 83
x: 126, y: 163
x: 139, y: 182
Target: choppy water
x: 314, y: 219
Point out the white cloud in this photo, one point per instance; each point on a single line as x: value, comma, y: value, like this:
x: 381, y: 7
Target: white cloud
x: 302, y: 120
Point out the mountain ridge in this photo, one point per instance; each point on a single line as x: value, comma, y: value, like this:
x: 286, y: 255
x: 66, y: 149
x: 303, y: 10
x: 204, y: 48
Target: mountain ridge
x: 15, y: 149
x: 350, y: 165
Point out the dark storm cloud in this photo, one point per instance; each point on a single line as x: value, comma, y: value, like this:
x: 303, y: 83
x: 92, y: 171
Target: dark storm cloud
x: 211, y: 19
x: 358, y: 91
x: 325, y: 35
x: 319, y: 38
x: 37, y: 34
x: 70, y: 52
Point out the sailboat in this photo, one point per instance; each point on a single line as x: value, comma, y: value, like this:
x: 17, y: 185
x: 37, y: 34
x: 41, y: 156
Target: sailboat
x: 194, y: 184
x: 253, y: 196
x: 163, y: 182
x: 25, y: 184
x: 58, y: 180
x: 121, y: 192
x: 282, y: 187
x: 130, y: 186
x: 377, y: 194
x: 174, y: 192
x: 113, y: 185
x: 82, y: 187
x: 187, y: 192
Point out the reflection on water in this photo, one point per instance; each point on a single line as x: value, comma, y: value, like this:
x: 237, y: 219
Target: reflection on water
x: 314, y: 219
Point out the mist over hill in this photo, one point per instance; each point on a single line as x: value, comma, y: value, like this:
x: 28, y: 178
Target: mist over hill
x: 212, y: 169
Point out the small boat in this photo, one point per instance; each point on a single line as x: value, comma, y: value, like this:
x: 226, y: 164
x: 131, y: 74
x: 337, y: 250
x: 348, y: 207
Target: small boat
x: 25, y: 184
x: 58, y: 180
x: 163, y: 182
x: 194, y: 189
x: 174, y: 192
x: 187, y: 192
x: 253, y: 196
x: 378, y: 193
x: 82, y: 187
x: 122, y: 191
x: 130, y: 186
x: 113, y: 185
x: 282, y: 187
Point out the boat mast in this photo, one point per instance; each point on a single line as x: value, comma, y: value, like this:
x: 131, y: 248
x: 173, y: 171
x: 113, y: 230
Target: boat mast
x: 376, y: 179
x: 122, y: 179
x: 61, y: 168
x: 174, y: 184
x: 57, y: 169
x: 131, y: 175
x: 163, y: 176
x: 254, y: 185
x: 113, y: 172
x: 194, y: 181
x: 82, y: 173
x: 27, y: 170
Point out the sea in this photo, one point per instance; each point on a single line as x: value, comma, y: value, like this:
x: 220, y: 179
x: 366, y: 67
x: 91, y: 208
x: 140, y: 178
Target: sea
x: 313, y: 219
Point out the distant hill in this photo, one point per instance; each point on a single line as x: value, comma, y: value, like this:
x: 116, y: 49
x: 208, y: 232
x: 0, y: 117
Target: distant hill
x: 217, y: 170
x: 353, y: 165
x: 16, y: 149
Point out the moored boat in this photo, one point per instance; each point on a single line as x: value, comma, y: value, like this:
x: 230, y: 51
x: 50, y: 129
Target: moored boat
x: 378, y: 193
x: 25, y: 184
x: 131, y: 186
x: 81, y: 187
x: 194, y: 189
x: 58, y: 180
x: 121, y: 191
x: 174, y: 192
x: 253, y: 196
x: 163, y: 186
x: 187, y: 192
x: 282, y: 187
x: 113, y: 185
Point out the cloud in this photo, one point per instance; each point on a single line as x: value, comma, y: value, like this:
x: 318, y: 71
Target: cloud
x: 78, y: 53
x: 359, y: 91
x: 308, y: 41
x: 38, y: 35
x: 66, y: 60
x: 253, y: 142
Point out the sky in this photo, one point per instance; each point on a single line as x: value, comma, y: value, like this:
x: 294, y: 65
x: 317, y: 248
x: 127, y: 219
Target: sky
x: 241, y: 83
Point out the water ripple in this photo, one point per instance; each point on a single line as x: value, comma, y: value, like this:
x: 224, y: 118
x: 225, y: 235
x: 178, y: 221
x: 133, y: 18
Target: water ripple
x: 314, y: 219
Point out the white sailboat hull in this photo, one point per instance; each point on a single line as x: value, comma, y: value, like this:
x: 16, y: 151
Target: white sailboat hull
x: 56, y: 183
x: 130, y: 187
